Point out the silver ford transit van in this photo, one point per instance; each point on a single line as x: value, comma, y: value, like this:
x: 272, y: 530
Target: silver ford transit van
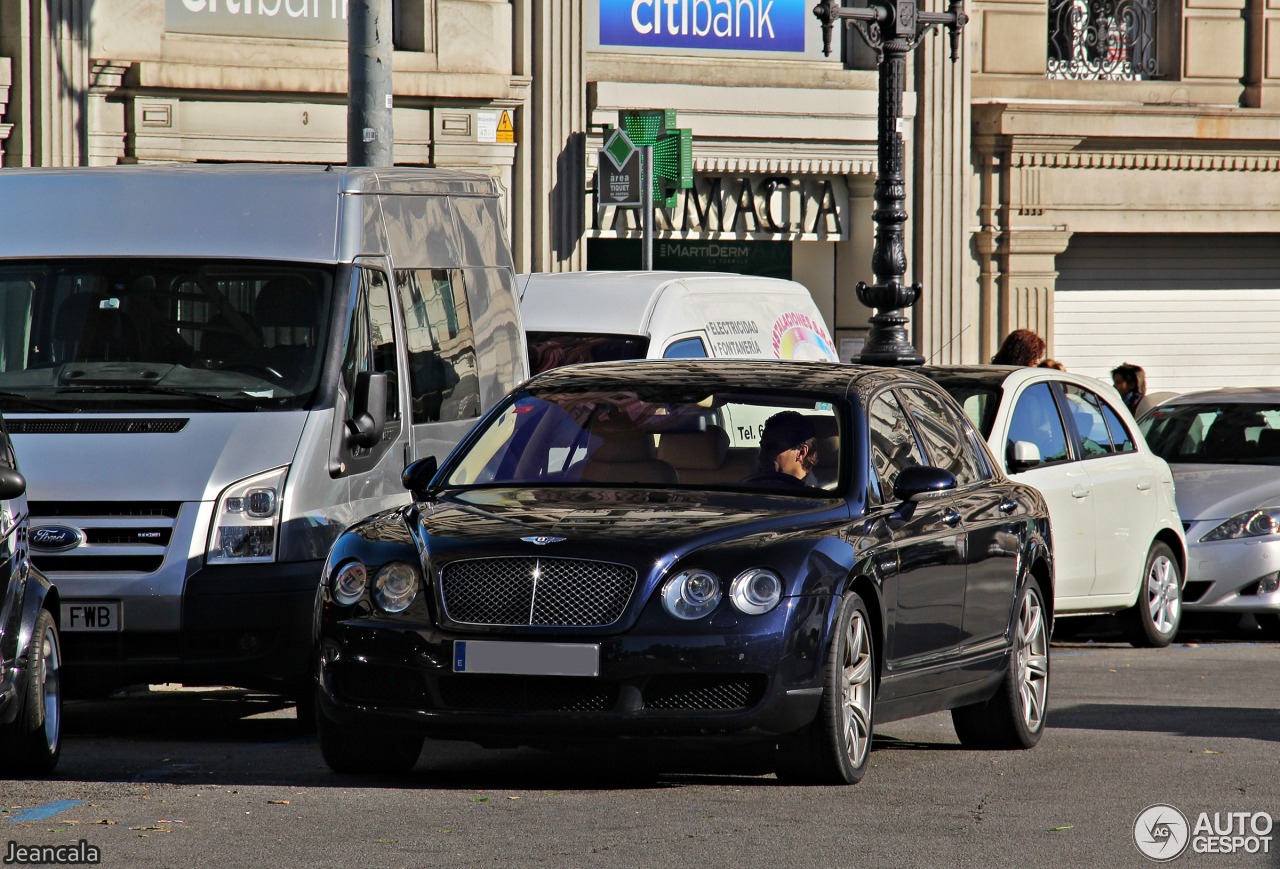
x: 210, y: 371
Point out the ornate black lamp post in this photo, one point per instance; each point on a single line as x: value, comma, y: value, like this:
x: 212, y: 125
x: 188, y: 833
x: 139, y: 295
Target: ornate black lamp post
x: 893, y: 28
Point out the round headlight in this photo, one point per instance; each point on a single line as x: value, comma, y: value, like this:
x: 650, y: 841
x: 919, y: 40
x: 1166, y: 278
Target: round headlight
x: 756, y: 591
x: 395, y: 586
x: 691, y: 594
x: 349, y: 583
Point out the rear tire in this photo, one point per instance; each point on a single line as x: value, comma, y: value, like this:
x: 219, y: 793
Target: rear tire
x: 836, y: 748
x: 31, y: 744
x: 1152, y: 622
x: 366, y: 750
x: 1014, y: 716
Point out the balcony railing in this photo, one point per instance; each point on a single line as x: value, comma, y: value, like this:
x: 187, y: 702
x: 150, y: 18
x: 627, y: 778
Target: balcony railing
x: 1102, y: 40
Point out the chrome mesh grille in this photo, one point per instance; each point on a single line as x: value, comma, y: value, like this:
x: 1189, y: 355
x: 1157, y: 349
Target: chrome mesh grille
x: 536, y: 591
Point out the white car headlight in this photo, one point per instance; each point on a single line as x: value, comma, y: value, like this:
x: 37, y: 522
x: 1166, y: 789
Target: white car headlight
x: 349, y: 583
x: 395, y: 586
x: 1252, y: 523
x: 246, y: 520
x: 756, y: 591
x: 691, y: 594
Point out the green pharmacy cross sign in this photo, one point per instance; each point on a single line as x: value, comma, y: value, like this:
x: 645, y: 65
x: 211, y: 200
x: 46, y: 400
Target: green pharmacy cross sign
x: 672, y: 150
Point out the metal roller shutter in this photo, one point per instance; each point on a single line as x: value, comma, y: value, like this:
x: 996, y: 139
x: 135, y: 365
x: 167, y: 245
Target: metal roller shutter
x: 1195, y: 311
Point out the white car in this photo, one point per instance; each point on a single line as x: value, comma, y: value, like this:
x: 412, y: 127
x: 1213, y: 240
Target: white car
x: 1117, y: 538
x: 1224, y: 448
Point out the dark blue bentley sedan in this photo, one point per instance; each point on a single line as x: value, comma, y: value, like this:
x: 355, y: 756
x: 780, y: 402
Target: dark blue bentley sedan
x: 774, y: 552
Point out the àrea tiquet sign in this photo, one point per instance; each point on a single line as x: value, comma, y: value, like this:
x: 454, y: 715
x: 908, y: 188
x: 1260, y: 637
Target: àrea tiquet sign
x: 734, y: 25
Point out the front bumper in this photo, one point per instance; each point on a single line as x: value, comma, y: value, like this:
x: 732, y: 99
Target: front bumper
x: 1225, y: 575
x: 761, y: 676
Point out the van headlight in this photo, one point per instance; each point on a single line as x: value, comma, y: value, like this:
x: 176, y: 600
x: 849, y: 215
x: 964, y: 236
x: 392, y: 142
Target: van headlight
x: 246, y: 520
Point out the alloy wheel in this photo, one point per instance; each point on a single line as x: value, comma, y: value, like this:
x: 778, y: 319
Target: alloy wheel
x: 1033, y: 660
x: 858, y: 689
x: 1163, y: 600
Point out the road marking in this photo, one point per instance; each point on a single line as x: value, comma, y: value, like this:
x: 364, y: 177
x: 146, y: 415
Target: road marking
x: 48, y: 810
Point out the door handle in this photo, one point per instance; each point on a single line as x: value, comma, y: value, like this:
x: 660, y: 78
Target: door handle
x: 1144, y: 485
x: 1080, y: 492
x: 1007, y: 506
x: 951, y: 517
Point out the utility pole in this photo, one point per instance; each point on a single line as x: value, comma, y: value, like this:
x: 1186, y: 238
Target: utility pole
x: 370, y: 138
x: 893, y: 28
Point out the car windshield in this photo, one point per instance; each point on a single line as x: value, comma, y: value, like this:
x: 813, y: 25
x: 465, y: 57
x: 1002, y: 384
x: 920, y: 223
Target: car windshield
x: 1215, y: 433
x: 160, y: 334
x: 654, y: 437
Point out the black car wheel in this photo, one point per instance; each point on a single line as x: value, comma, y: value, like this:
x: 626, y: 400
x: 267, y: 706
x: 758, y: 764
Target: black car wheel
x: 365, y: 750
x: 1153, y: 620
x: 1014, y: 716
x: 32, y: 742
x: 836, y: 747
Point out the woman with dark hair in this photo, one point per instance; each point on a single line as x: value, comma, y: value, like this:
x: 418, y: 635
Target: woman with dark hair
x: 1131, y: 382
x: 1020, y: 347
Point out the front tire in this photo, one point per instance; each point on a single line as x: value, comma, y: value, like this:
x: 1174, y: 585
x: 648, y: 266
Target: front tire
x: 366, y: 750
x: 1152, y: 622
x: 31, y: 744
x: 836, y: 748
x: 1014, y: 716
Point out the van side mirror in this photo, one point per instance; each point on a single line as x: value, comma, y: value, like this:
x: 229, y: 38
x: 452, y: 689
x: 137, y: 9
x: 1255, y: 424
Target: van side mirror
x: 369, y: 409
x: 417, y: 477
x: 12, y: 483
x: 1023, y: 455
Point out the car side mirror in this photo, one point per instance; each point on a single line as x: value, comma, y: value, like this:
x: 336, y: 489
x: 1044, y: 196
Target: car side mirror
x: 417, y: 477
x: 1023, y: 455
x: 12, y: 483
x: 922, y: 481
x: 369, y: 409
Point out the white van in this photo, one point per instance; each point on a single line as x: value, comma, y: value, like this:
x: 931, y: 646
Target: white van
x: 597, y: 316
x: 210, y: 371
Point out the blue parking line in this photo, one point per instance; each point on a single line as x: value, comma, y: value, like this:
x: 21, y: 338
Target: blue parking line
x: 48, y: 810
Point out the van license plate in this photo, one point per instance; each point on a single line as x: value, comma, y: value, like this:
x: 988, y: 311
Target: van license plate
x: 91, y: 615
x: 526, y: 659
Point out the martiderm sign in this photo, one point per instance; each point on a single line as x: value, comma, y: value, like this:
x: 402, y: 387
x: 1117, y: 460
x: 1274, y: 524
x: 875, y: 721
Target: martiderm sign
x: 293, y: 19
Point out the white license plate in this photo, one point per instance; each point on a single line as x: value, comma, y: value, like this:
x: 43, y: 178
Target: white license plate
x: 526, y: 659
x: 92, y: 615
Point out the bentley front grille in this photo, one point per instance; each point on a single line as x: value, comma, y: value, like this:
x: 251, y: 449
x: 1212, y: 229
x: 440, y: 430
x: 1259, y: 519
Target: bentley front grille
x: 536, y: 591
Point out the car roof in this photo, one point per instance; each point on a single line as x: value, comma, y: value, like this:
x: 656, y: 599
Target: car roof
x: 1005, y: 375
x: 720, y: 374
x: 1240, y: 394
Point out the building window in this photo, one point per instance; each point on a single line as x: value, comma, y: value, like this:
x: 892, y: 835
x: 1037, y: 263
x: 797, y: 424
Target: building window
x: 1102, y: 40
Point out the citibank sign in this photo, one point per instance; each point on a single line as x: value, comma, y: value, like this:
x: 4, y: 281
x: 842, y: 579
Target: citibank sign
x: 733, y: 25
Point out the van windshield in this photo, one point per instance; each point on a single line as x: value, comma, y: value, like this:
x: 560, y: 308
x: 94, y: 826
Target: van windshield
x: 549, y: 350
x: 161, y: 334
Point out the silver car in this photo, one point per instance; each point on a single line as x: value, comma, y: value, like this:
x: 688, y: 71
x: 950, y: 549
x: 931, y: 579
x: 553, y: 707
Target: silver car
x: 1224, y: 448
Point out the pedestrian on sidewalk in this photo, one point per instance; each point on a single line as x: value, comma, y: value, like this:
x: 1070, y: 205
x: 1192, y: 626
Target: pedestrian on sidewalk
x: 1020, y: 347
x: 1131, y: 382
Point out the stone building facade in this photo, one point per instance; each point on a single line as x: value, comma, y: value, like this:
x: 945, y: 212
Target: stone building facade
x: 1056, y: 173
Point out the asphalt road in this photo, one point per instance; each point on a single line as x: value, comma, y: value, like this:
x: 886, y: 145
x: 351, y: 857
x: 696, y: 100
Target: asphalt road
x: 223, y: 778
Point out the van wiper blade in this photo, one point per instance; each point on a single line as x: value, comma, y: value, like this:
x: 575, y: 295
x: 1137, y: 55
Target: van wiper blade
x: 152, y: 389
x: 35, y: 404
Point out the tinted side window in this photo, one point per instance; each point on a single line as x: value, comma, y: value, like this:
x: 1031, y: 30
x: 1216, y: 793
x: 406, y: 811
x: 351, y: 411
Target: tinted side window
x: 1120, y: 435
x: 371, y: 341
x: 1036, y: 420
x: 893, y: 446
x: 441, y: 343
x: 685, y: 348
x: 947, y: 444
x: 1085, y: 409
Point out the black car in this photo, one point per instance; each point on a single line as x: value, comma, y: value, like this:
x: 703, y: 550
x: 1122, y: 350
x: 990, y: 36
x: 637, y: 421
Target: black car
x: 765, y: 551
x: 30, y: 655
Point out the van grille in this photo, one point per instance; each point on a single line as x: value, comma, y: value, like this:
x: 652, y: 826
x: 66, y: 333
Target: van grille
x: 119, y: 536
x: 166, y: 425
x: 536, y: 591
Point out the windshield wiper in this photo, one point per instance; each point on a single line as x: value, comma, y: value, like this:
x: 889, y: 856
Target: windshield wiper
x: 35, y: 404
x: 152, y: 389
